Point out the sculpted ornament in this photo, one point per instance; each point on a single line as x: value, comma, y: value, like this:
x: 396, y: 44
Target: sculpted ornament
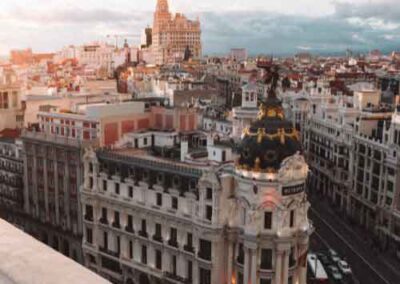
x: 292, y: 168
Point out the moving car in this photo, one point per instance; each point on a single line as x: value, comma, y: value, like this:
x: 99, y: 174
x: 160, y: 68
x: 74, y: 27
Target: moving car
x: 334, y: 256
x: 344, y: 267
x: 335, y: 274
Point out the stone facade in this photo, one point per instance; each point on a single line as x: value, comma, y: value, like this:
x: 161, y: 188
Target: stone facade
x: 53, y: 174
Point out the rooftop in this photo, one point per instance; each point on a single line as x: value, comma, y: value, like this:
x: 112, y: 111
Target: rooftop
x: 39, y: 263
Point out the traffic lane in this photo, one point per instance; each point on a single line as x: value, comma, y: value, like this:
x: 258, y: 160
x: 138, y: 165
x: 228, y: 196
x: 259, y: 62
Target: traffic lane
x: 357, y: 242
x: 318, y: 244
x: 361, y: 270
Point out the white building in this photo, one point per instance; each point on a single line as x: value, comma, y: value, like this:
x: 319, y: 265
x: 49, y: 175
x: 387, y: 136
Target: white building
x: 352, y: 149
x: 245, y: 114
x: 198, y: 217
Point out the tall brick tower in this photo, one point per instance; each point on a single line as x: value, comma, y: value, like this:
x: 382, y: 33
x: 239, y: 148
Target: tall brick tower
x: 173, y: 34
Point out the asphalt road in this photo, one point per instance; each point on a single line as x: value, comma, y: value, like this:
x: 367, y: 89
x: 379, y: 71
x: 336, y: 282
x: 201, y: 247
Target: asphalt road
x: 331, y: 231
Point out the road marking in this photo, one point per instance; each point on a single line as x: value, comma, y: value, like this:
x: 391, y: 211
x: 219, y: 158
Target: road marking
x: 347, y: 227
x: 323, y: 240
x: 355, y: 280
x: 350, y: 246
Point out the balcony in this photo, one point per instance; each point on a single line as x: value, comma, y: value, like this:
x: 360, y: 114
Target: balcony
x: 116, y: 225
x: 129, y: 229
x: 173, y: 276
x: 143, y: 234
x: 109, y: 252
x: 158, y: 238
x: 173, y: 243
x: 89, y: 217
x: 103, y: 221
x: 204, y: 256
x: 189, y: 248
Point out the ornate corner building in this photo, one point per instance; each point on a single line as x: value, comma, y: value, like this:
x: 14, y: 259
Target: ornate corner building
x: 154, y: 219
x: 173, y: 35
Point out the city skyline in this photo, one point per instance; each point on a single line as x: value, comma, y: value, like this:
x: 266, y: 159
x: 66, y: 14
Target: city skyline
x: 306, y: 25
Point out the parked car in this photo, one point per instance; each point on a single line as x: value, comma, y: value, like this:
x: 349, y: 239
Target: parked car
x: 334, y: 256
x: 335, y: 274
x: 344, y: 267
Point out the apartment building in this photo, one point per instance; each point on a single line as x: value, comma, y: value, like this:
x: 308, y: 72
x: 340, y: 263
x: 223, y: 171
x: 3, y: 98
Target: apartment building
x: 352, y: 145
x: 11, y: 178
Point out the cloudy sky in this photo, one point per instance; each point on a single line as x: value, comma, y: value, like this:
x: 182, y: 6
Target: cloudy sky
x: 262, y: 26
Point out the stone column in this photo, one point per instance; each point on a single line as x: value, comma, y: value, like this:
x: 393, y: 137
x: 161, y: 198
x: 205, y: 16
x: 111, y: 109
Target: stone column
x: 302, y: 270
x: 230, y: 262
x: 278, y: 267
x: 253, y: 275
x: 246, y: 265
x: 285, y: 267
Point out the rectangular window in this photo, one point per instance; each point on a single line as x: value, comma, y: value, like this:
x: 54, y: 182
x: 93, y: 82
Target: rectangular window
x: 116, y: 219
x: 209, y: 193
x: 159, y: 199
x: 205, y: 276
x: 240, y: 256
x: 174, y: 203
x: 144, y: 226
x: 130, y: 249
x: 89, y: 236
x: 130, y: 191
x: 129, y: 225
x: 190, y: 271
x: 266, y: 259
x: 205, y: 249
x: 89, y: 213
x: 190, y: 239
x: 158, y: 260
x: 268, y: 220
x: 173, y: 237
x: 105, y: 240
x: 157, y: 234
x: 104, y: 215
x: 173, y: 260
x: 144, y: 255
x: 104, y: 185
x: 291, y: 218
x: 209, y: 210
x: 118, y: 245
x: 116, y: 188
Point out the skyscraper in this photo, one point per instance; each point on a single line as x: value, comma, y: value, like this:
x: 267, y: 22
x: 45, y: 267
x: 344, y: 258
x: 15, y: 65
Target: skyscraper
x: 173, y: 34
